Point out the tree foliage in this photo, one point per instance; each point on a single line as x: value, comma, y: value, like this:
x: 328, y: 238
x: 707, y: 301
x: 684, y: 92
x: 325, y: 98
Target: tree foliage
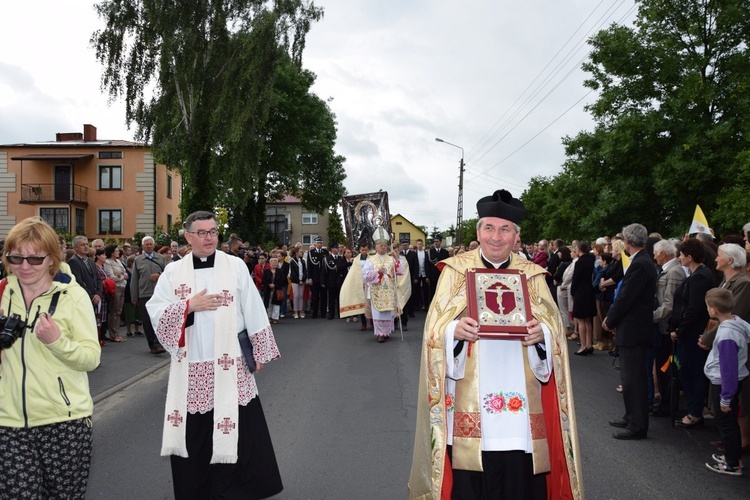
x: 671, y: 127
x: 335, y: 228
x: 198, y: 80
x: 297, y: 150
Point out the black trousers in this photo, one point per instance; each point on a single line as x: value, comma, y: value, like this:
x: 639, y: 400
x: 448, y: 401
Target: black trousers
x: 333, y: 301
x: 148, y: 328
x: 507, y: 475
x: 634, y: 386
x: 423, y: 293
x: 727, y: 425
x: 255, y: 475
x: 318, y: 300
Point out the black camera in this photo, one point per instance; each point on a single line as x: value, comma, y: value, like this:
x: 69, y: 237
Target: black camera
x: 12, y: 329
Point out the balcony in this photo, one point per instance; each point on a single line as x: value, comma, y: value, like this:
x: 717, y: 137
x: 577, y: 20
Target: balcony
x: 54, y: 193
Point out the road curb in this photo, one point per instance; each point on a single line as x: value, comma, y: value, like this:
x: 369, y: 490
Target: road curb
x: 135, y: 378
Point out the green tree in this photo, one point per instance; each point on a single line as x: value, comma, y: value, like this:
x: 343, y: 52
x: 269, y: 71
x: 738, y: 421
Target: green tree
x: 469, y: 231
x: 335, y: 227
x: 297, y: 151
x: 671, y: 125
x: 196, y: 79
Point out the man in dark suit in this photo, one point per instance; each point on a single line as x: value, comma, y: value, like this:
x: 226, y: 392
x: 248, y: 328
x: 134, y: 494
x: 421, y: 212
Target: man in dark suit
x: 631, y: 318
x: 421, y: 280
x: 318, y: 299
x: 411, y: 260
x: 436, y: 254
x: 332, y: 277
x: 84, y: 270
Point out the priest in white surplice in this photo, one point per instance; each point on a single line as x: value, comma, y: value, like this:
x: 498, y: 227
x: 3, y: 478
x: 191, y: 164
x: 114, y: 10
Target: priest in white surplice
x: 214, y: 428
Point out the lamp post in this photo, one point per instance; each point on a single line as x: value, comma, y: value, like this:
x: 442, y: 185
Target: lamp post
x: 460, y: 209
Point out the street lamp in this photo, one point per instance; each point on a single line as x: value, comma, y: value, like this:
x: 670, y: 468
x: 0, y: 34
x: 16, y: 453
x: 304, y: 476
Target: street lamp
x: 460, y: 209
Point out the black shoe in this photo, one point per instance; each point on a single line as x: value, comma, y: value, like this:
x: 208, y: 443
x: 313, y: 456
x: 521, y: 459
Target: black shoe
x: 585, y: 352
x: 404, y: 329
x: 692, y: 422
x: 381, y: 339
x: 590, y: 350
x: 618, y: 423
x: 628, y: 434
x: 314, y: 316
x: 129, y: 334
x: 140, y: 334
x: 158, y: 350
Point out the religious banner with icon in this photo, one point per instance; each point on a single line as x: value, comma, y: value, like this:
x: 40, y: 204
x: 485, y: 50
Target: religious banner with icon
x: 499, y: 301
x: 362, y: 214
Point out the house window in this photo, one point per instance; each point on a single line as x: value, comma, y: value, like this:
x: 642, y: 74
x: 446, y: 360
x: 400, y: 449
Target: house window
x: 309, y: 218
x: 109, y: 155
x: 58, y: 218
x: 110, y: 177
x: 80, y: 221
x: 403, y: 236
x: 169, y: 222
x: 110, y: 221
x: 169, y: 186
x: 308, y: 239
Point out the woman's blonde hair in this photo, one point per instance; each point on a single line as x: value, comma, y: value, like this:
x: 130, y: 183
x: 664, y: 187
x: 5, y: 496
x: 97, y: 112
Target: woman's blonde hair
x: 36, y: 233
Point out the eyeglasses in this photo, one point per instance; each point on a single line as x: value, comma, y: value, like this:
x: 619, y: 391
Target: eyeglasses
x: 33, y: 260
x: 203, y: 233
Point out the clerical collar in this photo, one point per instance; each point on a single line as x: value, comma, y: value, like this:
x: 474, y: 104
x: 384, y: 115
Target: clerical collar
x: 204, y: 262
x: 492, y: 265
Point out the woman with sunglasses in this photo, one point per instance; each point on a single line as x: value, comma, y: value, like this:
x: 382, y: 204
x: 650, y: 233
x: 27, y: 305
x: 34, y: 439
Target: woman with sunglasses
x: 45, y: 415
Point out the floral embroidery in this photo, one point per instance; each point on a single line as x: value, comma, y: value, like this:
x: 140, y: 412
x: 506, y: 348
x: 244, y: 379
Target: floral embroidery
x: 500, y: 402
x: 449, y: 402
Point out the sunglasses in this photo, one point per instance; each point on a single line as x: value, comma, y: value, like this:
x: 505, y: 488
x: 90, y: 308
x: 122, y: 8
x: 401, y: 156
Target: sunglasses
x: 33, y: 260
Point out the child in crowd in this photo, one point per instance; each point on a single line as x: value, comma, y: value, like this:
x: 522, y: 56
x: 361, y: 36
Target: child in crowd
x: 725, y: 368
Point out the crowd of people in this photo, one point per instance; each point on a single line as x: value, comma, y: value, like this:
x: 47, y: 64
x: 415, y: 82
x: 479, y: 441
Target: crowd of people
x: 661, y: 306
x: 672, y: 286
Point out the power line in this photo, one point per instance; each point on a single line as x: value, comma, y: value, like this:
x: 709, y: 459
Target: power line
x: 627, y: 14
x: 606, y: 16
x: 489, y: 134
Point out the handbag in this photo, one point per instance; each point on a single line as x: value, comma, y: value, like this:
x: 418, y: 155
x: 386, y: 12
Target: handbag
x: 247, y: 350
x: 279, y: 295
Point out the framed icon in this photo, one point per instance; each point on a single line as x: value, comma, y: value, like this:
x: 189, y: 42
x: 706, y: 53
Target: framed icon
x: 498, y: 299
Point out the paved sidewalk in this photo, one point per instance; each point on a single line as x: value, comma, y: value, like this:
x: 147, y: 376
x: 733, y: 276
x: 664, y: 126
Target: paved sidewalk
x: 122, y: 364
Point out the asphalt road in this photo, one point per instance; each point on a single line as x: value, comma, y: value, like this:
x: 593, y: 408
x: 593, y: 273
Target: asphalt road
x: 341, y: 410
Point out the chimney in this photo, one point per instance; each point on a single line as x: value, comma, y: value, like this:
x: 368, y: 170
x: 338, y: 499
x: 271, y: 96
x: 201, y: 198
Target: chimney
x: 89, y: 132
x: 68, y: 136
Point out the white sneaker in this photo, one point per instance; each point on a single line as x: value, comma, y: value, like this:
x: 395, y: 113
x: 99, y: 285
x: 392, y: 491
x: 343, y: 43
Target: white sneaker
x: 721, y: 459
x: 723, y: 468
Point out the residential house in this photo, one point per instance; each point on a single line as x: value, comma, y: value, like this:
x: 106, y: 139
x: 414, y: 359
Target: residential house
x: 84, y: 185
x: 402, y: 228
x: 289, y: 222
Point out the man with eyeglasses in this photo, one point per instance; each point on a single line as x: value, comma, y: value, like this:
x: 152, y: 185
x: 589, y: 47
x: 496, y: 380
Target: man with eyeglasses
x: 84, y: 270
x: 214, y: 428
x: 147, y: 268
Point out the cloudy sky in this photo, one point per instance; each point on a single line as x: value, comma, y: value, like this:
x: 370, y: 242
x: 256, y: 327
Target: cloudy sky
x: 500, y: 79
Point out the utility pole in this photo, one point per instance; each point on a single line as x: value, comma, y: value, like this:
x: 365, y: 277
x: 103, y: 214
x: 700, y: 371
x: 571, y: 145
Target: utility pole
x: 460, y: 208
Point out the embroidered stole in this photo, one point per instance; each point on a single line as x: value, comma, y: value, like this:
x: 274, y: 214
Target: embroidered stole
x: 227, y: 359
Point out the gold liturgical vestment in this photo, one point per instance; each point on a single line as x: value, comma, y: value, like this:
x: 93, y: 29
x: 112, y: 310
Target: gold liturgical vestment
x: 449, y: 303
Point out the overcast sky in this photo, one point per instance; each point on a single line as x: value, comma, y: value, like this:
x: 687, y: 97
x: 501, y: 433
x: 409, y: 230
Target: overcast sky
x: 500, y: 79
